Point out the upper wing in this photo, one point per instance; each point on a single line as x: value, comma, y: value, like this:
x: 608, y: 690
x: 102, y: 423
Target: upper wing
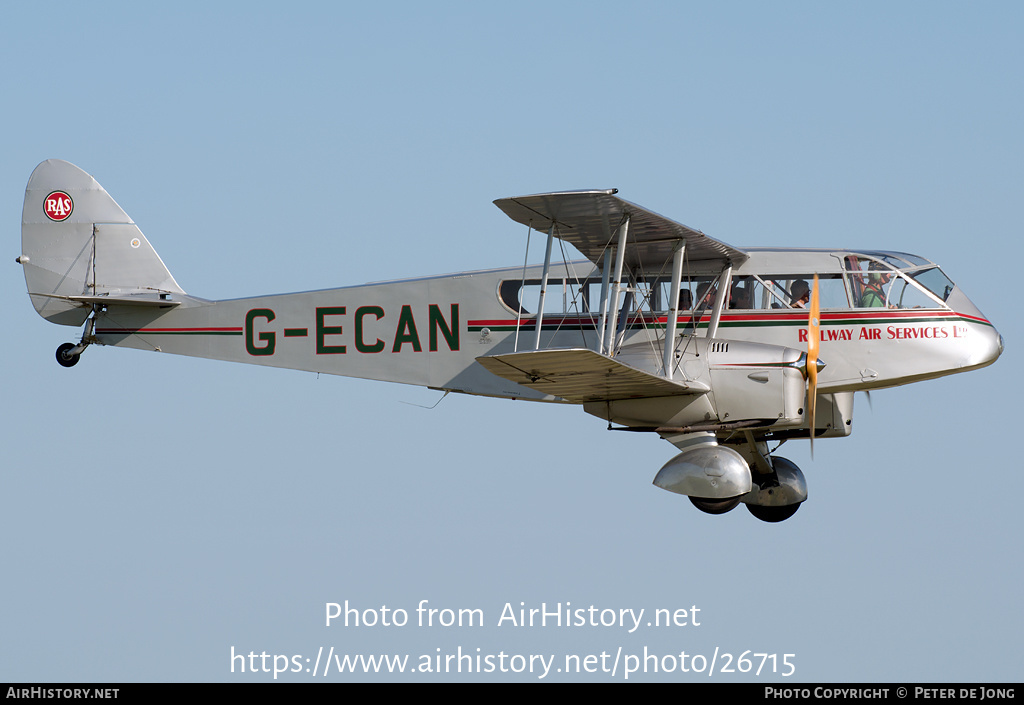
x: 580, y: 375
x: 589, y: 220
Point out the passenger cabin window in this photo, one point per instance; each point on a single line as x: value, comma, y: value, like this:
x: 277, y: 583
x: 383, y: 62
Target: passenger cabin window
x: 584, y: 297
x: 696, y: 294
x: 786, y: 291
x: 563, y: 296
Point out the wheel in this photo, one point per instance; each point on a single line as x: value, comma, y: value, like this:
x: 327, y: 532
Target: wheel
x: 63, y: 358
x: 773, y: 514
x: 715, y: 506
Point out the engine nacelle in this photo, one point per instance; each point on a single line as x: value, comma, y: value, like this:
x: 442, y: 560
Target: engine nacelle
x: 706, y: 469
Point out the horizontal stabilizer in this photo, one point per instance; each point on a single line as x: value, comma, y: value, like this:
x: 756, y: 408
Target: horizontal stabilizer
x: 580, y: 375
x: 131, y: 300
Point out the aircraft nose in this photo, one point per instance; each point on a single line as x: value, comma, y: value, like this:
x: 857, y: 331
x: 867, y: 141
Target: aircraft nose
x: 986, y: 343
x: 988, y: 350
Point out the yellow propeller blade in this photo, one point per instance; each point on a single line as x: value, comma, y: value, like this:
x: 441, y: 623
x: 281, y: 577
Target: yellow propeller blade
x: 813, y: 340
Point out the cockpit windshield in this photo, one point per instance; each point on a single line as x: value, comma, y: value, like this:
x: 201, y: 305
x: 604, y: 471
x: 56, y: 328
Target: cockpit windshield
x: 935, y: 281
x: 883, y: 279
x: 900, y: 260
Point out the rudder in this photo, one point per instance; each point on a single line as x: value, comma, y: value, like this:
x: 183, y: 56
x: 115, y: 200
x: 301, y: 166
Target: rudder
x: 79, y: 247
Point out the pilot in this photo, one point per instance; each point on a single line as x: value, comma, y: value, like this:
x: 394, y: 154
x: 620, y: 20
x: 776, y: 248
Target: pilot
x: 874, y: 288
x: 801, y: 294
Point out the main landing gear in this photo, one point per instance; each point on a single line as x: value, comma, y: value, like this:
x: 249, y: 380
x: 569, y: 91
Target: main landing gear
x: 717, y: 478
x: 772, y: 515
x: 773, y: 497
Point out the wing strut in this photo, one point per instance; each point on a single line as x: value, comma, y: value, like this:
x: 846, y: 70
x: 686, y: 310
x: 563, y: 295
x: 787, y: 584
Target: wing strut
x: 673, y: 309
x: 606, y: 276
x: 544, y: 287
x: 613, y: 299
x: 720, y: 301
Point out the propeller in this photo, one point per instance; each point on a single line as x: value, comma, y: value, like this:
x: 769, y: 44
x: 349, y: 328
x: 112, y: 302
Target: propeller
x: 813, y: 341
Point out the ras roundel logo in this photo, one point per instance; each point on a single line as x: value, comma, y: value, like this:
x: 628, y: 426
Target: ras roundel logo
x: 58, y: 206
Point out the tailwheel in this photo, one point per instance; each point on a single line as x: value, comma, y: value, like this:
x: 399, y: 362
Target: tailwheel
x: 773, y: 514
x: 64, y: 356
x: 715, y: 506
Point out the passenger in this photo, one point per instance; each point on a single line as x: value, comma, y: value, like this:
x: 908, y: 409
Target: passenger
x: 706, y: 295
x: 740, y: 297
x: 801, y: 294
x: 685, y: 300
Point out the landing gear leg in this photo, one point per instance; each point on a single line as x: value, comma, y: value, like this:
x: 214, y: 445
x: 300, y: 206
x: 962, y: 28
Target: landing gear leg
x: 68, y: 353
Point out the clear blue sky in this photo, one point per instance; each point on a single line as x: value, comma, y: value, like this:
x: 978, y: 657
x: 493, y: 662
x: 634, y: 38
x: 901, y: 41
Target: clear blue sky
x: 158, y: 511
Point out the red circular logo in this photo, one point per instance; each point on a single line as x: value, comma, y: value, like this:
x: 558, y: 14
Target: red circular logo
x: 58, y: 206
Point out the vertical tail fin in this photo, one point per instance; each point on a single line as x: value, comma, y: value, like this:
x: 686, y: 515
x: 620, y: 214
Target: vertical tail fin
x: 78, y: 247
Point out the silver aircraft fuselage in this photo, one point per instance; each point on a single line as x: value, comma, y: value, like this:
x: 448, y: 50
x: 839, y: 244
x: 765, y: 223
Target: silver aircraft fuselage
x: 429, y: 331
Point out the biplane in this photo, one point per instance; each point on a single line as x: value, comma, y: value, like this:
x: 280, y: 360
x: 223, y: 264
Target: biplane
x: 661, y: 329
